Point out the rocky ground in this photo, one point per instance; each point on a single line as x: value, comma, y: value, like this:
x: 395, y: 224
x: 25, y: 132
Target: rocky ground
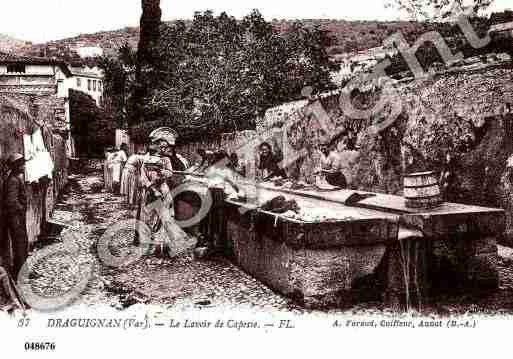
x: 188, y: 282
x: 180, y: 283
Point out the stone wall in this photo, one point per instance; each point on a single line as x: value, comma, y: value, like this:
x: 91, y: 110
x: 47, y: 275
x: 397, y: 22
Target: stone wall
x: 22, y: 114
x: 459, y: 113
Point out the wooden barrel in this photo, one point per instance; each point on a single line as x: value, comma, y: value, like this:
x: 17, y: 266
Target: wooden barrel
x: 421, y: 190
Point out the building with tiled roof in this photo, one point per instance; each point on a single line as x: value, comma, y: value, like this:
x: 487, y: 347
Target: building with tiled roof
x: 46, y: 77
x: 32, y: 75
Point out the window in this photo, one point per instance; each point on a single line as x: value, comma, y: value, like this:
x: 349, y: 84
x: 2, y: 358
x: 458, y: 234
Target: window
x: 94, y: 85
x: 89, y: 85
x: 79, y: 82
x: 16, y: 68
x: 99, y: 86
x: 60, y: 88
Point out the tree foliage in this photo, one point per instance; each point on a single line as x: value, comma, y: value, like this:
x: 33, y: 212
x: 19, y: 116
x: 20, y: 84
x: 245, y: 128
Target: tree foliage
x: 149, y: 33
x: 119, y: 83
x: 147, y: 58
x: 218, y: 74
x: 92, y: 127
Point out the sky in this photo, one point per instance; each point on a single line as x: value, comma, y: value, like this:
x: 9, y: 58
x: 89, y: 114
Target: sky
x: 44, y: 20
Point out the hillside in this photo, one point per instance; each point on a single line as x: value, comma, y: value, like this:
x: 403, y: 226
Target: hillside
x: 11, y: 44
x: 349, y: 35
x: 109, y: 41
x: 360, y: 35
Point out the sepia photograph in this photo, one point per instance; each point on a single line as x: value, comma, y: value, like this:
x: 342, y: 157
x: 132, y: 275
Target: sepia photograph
x: 265, y: 172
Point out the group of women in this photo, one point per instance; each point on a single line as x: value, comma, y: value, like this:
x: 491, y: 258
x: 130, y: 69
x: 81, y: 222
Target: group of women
x: 114, y: 162
x: 147, y: 178
x: 328, y: 164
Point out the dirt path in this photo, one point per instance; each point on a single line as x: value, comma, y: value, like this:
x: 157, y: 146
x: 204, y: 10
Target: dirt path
x: 179, y: 283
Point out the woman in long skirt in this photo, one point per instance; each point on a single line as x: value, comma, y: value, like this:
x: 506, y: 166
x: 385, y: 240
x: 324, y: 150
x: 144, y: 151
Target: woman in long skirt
x: 107, y: 169
x: 118, y: 161
x: 166, y: 235
x: 131, y: 177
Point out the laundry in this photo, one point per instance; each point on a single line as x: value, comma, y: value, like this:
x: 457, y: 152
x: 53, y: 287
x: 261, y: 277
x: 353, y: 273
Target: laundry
x: 39, y: 163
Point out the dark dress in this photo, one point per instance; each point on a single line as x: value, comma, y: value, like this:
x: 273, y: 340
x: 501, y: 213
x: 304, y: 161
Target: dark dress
x: 15, y: 208
x: 336, y: 179
x: 270, y: 163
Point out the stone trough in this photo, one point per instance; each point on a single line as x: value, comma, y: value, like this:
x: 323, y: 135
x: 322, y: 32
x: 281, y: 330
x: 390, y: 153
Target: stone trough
x: 401, y: 254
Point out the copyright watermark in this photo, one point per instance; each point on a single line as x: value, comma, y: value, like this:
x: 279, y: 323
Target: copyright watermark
x: 387, y: 107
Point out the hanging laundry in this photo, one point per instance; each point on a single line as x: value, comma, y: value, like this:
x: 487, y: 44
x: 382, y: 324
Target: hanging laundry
x: 42, y: 154
x: 39, y: 163
x: 30, y: 154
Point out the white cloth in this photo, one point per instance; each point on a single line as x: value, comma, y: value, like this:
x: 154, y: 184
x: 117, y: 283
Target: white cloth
x: 184, y: 161
x: 30, y: 154
x: 39, y: 163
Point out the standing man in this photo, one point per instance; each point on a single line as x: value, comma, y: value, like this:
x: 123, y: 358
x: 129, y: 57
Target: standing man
x: 15, y: 209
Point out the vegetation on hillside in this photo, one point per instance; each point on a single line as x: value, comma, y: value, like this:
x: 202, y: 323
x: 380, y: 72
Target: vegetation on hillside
x: 349, y: 36
x: 217, y: 74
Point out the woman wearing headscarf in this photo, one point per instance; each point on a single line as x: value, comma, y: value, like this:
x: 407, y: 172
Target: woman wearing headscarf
x: 156, y: 207
x: 155, y: 169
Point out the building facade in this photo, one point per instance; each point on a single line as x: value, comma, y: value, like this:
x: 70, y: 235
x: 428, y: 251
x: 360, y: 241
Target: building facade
x: 32, y: 75
x: 50, y: 77
x: 88, y: 80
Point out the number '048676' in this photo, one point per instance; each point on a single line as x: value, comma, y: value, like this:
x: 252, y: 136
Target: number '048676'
x: 37, y: 346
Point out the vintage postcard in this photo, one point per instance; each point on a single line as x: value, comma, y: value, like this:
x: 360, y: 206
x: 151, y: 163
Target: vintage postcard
x: 242, y: 179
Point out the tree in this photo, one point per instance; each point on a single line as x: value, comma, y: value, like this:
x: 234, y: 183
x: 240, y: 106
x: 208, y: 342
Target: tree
x: 147, y: 59
x: 91, y: 126
x: 218, y: 74
x: 149, y: 33
x: 119, y: 83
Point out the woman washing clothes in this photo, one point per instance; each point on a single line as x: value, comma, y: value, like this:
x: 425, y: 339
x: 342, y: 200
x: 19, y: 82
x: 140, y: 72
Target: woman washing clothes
x: 330, y: 166
x: 156, y: 206
x: 269, y: 163
x: 202, y: 164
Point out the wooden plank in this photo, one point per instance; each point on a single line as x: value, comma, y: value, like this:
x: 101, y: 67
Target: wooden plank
x: 385, y: 202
